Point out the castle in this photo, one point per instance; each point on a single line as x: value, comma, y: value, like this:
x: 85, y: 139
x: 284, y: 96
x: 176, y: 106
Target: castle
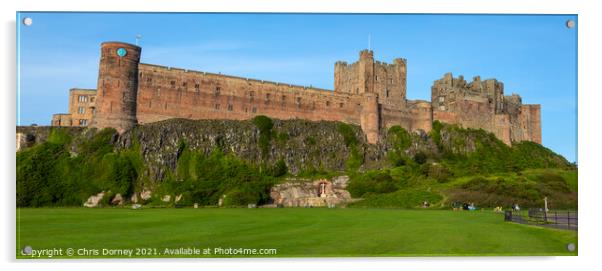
x: 368, y: 93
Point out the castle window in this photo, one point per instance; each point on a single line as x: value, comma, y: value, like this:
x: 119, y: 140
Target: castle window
x: 173, y: 84
x: 251, y: 95
x: 216, y: 106
x: 391, y: 81
x: 441, y: 99
x: 91, y: 99
x: 197, y: 87
x: 376, y: 78
x: 81, y: 110
x: 184, y: 84
x: 386, y: 93
x: 158, y: 92
x: 230, y: 107
x: 267, y: 97
x: 82, y: 98
x: 149, y: 79
x: 327, y: 103
x: 442, y: 108
x: 83, y: 122
x: 341, y: 105
x: 254, y: 109
x: 298, y: 100
x: 217, y: 91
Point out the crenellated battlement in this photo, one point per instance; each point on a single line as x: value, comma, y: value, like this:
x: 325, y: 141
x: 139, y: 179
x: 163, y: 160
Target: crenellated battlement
x: 482, y: 104
x: 367, y: 92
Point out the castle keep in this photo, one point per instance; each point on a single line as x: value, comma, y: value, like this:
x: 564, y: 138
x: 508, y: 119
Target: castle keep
x: 368, y: 93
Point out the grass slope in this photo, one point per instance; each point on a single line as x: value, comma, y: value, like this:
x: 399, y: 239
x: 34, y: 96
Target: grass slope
x: 293, y: 232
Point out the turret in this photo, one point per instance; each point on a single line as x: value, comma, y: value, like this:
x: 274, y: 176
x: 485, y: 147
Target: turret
x: 370, y: 117
x: 117, y: 86
x: 366, y: 72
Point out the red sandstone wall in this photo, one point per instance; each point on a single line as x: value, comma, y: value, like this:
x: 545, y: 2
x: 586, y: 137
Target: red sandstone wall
x: 117, y: 87
x: 530, y: 121
x: 175, y: 93
x: 370, y: 116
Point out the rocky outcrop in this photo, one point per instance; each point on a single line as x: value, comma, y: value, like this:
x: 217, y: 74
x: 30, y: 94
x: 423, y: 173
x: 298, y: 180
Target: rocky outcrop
x: 94, y: 200
x: 117, y: 200
x: 308, y: 193
x: 300, y: 144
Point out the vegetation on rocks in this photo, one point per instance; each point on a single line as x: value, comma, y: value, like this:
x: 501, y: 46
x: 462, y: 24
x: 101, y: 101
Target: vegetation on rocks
x: 236, y: 163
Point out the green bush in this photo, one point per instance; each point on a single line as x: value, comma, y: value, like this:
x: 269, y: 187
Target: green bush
x: 348, y: 134
x: 420, y: 158
x: 48, y: 175
x: 204, y: 179
x: 278, y: 169
x: 400, y: 138
x: 374, y: 182
x: 265, y: 125
x: 399, y: 199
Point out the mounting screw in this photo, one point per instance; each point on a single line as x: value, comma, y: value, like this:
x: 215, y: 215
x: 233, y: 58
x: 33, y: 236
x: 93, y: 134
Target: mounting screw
x: 27, y: 21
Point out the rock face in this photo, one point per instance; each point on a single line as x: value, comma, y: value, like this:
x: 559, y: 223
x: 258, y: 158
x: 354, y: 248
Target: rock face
x: 94, y: 200
x: 307, y: 193
x: 300, y: 144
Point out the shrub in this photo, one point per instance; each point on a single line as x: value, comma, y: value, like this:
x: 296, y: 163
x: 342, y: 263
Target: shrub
x: 265, y: 125
x: 376, y: 182
x: 348, y: 134
x: 420, y: 158
x: 279, y: 168
x: 399, y: 199
x: 400, y: 138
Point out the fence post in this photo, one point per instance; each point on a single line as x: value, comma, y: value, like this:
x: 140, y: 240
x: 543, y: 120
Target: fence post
x: 508, y: 215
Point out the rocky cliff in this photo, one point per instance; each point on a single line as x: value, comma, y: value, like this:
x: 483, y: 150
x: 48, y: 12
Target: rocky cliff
x: 206, y: 159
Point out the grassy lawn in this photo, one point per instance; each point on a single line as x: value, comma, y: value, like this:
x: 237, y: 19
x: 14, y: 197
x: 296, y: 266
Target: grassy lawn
x: 293, y: 232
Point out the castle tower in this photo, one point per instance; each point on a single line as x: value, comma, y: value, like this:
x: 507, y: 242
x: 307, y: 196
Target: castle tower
x: 366, y: 72
x: 117, y: 86
x: 370, y: 117
x: 401, y: 72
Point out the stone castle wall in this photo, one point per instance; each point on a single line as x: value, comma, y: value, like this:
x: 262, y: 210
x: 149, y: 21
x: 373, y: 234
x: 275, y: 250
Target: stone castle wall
x: 165, y: 92
x: 482, y: 105
x: 368, y: 93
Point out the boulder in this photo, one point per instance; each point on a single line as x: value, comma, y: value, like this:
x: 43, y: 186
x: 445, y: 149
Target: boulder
x: 145, y: 194
x: 117, y: 200
x: 94, y: 200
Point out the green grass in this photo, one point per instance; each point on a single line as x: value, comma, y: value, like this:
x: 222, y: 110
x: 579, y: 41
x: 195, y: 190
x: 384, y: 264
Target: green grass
x: 316, y: 232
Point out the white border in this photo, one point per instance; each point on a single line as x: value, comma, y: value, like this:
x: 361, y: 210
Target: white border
x: 589, y: 131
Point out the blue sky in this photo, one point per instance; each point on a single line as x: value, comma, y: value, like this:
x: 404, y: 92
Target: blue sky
x: 534, y: 55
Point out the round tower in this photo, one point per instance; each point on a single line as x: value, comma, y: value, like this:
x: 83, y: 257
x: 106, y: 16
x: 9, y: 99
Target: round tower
x: 117, y: 88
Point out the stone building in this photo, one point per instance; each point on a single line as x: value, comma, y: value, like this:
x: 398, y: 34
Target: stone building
x: 482, y: 104
x: 368, y: 93
x: 82, y: 105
